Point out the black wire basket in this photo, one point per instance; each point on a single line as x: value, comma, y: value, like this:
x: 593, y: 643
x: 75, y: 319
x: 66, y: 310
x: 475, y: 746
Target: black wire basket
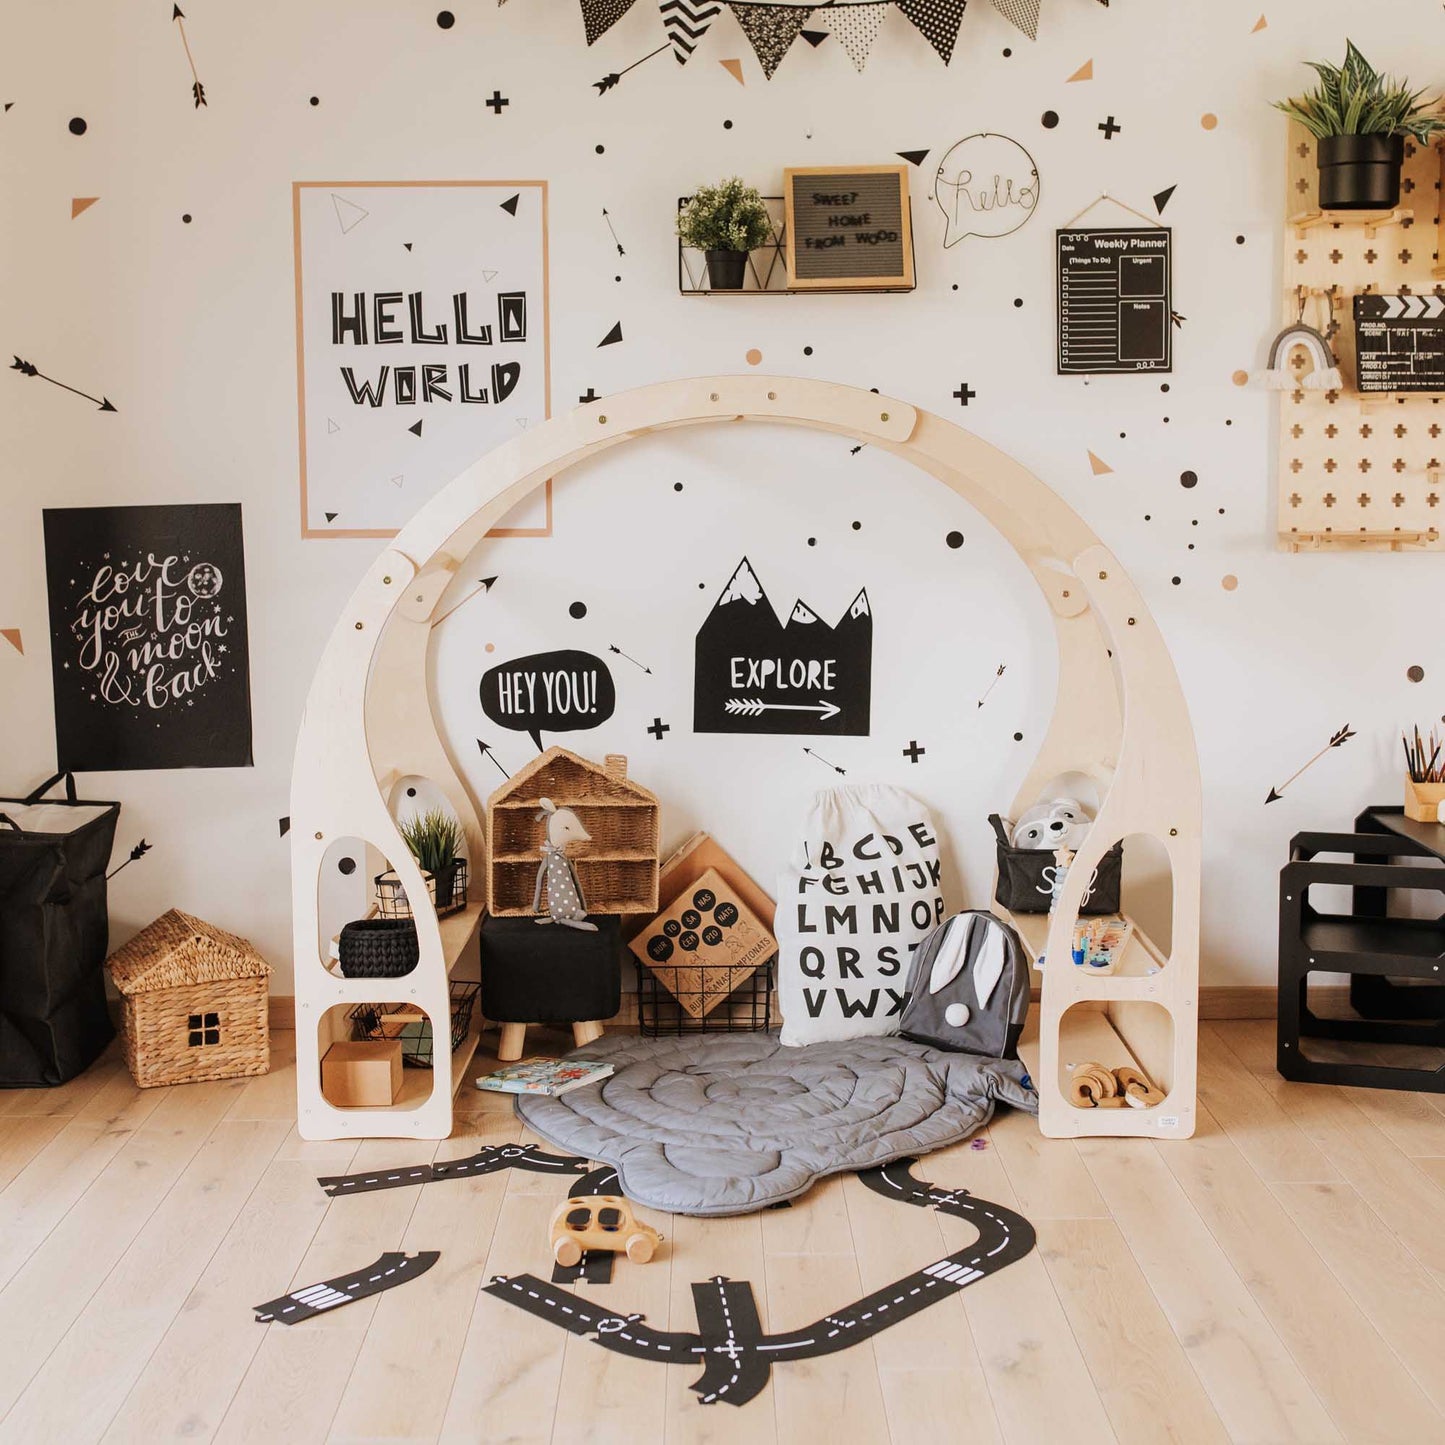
x: 371, y: 1022
x: 747, y: 1009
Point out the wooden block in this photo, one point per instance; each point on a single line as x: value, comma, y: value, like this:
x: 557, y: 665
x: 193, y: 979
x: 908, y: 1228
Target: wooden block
x: 360, y: 1073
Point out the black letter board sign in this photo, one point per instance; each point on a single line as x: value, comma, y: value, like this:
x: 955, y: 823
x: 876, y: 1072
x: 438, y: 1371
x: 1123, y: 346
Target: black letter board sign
x: 148, y: 637
x: 1400, y: 343
x: 754, y: 674
x: 848, y: 229
x: 1114, y: 301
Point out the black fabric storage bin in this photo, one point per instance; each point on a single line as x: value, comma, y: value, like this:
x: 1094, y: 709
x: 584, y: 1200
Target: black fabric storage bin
x: 547, y: 974
x: 378, y: 948
x: 1025, y: 887
x: 54, y: 932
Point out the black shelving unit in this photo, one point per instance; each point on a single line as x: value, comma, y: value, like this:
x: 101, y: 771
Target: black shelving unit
x: 1396, y: 965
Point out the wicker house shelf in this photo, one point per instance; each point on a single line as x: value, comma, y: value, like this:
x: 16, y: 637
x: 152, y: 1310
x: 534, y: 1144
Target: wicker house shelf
x: 617, y: 870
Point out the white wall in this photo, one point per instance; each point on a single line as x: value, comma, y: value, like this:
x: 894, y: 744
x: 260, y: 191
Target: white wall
x: 189, y: 328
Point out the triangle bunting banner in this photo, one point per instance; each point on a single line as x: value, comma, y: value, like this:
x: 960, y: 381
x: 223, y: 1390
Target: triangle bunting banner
x: 1022, y: 13
x: 686, y: 22
x: 937, y: 21
x: 856, y: 28
x: 599, y: 16
x: 771, y: 29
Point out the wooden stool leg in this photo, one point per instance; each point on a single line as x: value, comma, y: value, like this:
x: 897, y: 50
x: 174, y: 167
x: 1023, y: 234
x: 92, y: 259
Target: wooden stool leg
x: 514, y: 1040
x: 584, y: 1033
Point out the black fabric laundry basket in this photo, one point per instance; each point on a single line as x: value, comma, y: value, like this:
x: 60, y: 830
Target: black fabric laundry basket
x: 1024, y: 885
x: 54, y: 932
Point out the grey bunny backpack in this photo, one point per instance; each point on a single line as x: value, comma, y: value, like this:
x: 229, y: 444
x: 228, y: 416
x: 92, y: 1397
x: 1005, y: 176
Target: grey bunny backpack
x: 968, y: 987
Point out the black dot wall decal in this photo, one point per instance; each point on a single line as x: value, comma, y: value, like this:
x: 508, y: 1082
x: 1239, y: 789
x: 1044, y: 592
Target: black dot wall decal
x: 1188, y: 479
x: 315, y: 100
x: 577, y: 610
x: 77, y: 125
x: 807, y: 351
x: 812, y: 541
x: 1415, y: 674
x: 346, y: 866
x: 727, y: 125
x: 1006, y: 52
x: 1018, y: 737
x: 857, y: 526
x: 600, y: 149
x: 954, y: 539
x: 1163, y: 386
x: 1174, y: 580
x: 1049, y: 119
x: 677, y: 486
x: 1018, y: 300
x: 1239, y: 240
x: 445, y: 19
x: 186, y: 218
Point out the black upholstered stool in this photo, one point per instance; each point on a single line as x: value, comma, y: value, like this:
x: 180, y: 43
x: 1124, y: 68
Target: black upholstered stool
x: 548, y: 974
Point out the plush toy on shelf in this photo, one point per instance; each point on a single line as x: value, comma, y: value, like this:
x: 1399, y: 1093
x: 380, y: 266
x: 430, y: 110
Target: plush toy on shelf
x: 1053, y: 824
x: 565, y: 903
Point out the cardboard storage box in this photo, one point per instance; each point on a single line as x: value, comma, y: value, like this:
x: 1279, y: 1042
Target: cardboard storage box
x: 362, y: 1073
x: 705, y: 944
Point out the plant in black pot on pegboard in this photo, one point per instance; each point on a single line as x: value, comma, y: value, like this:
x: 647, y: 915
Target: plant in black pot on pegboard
x: 725, y: 222
x: 1360, y: 120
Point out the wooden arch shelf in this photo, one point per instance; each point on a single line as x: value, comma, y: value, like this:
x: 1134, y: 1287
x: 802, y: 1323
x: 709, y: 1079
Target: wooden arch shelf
x: 1119, y: 717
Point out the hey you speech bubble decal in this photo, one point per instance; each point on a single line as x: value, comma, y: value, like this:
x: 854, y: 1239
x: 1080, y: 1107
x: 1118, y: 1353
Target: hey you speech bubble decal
x: 148, y: 637
x: 754, y: 674
x: 556, y: 692
x: 987, y: 185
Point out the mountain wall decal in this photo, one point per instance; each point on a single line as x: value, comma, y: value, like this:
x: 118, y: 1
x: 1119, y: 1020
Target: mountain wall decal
x: 756, y: 674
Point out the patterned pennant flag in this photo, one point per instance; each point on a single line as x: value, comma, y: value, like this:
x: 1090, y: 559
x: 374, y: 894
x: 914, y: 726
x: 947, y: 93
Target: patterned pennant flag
x: 1022, y: 13
x: 600, y: 16
x: 856, y: 27
x: 770, y: 29
x: 937, y: 21
x: 686, y: 22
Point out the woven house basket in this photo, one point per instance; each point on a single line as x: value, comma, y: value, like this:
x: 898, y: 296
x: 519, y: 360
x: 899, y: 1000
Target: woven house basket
x: 193, y: 1003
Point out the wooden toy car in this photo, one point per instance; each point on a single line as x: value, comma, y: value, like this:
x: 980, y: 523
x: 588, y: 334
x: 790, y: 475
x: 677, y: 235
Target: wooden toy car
x: 600, y: 1221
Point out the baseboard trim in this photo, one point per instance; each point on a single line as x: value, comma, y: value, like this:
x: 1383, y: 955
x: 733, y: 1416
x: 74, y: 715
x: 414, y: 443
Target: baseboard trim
x: 1216, y: 1003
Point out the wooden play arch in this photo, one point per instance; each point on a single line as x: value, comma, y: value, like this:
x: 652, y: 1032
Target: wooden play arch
x: 1119, y: 718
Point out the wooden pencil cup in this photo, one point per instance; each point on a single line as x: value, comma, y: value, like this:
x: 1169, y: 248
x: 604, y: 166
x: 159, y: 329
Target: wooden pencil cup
x: 1422, y: 800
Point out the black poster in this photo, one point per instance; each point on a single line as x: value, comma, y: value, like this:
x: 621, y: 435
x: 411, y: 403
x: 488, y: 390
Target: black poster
x: 754, y: 674
x: 148, y: 637
x: 1400, y: 343
x: 1114, y: 301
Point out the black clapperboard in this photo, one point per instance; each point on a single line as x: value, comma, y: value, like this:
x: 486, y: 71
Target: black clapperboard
x: 1400, y: 343
x: 848, y: 228
x: 1115, y: 301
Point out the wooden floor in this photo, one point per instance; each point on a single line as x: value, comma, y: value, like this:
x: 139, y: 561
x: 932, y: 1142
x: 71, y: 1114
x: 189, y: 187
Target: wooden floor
x: 1280, y: 1277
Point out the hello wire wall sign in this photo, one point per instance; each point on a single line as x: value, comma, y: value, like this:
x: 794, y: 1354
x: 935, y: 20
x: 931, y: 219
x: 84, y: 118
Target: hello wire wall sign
x: 422, y: 341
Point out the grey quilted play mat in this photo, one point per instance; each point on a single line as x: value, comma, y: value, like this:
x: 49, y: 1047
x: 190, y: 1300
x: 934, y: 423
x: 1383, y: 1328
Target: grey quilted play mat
x: 729, y: 1123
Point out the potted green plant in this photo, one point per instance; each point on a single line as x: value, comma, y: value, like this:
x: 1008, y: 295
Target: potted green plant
x: 435, y: 839
x: 725, y: 222
x: 1360, y: 120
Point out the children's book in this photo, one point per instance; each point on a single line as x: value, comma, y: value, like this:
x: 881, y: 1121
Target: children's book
x: 552, y: 1077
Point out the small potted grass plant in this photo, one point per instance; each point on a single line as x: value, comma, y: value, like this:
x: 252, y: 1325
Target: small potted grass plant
x: 1360, y: 120
x: 725, y: 222
x: 435, y: 839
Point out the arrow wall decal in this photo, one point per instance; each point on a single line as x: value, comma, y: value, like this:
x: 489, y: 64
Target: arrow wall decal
x: 28, y: 368
x: 198, y: 91
x: 1339, y: 738
x: 754, y: 706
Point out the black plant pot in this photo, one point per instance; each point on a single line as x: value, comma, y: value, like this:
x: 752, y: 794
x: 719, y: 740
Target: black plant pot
x: 1360, y: 172
x: 725, y: 270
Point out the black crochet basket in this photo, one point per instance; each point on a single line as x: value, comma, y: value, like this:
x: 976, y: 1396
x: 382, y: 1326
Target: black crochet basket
x: 1025, y: 877
x: 378, y: 948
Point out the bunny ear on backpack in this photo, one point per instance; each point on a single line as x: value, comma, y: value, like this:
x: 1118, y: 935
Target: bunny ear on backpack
x: 988, y: 967
x: 952, y: 952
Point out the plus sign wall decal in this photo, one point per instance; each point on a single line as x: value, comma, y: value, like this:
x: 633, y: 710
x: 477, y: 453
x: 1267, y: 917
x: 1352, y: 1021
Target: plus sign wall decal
x: 589, y: 395
x: 965, y: 393
x: 913, y: 752
x: 497, y: 100
x: 1109, y: 128
x: 659, y: 727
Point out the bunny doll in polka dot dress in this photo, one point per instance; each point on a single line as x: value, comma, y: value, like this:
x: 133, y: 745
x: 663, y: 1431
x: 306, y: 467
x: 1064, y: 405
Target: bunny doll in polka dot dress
x: 565, y: 903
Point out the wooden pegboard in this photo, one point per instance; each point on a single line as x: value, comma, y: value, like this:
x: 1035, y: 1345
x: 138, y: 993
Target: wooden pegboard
x: 1358, y: 471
